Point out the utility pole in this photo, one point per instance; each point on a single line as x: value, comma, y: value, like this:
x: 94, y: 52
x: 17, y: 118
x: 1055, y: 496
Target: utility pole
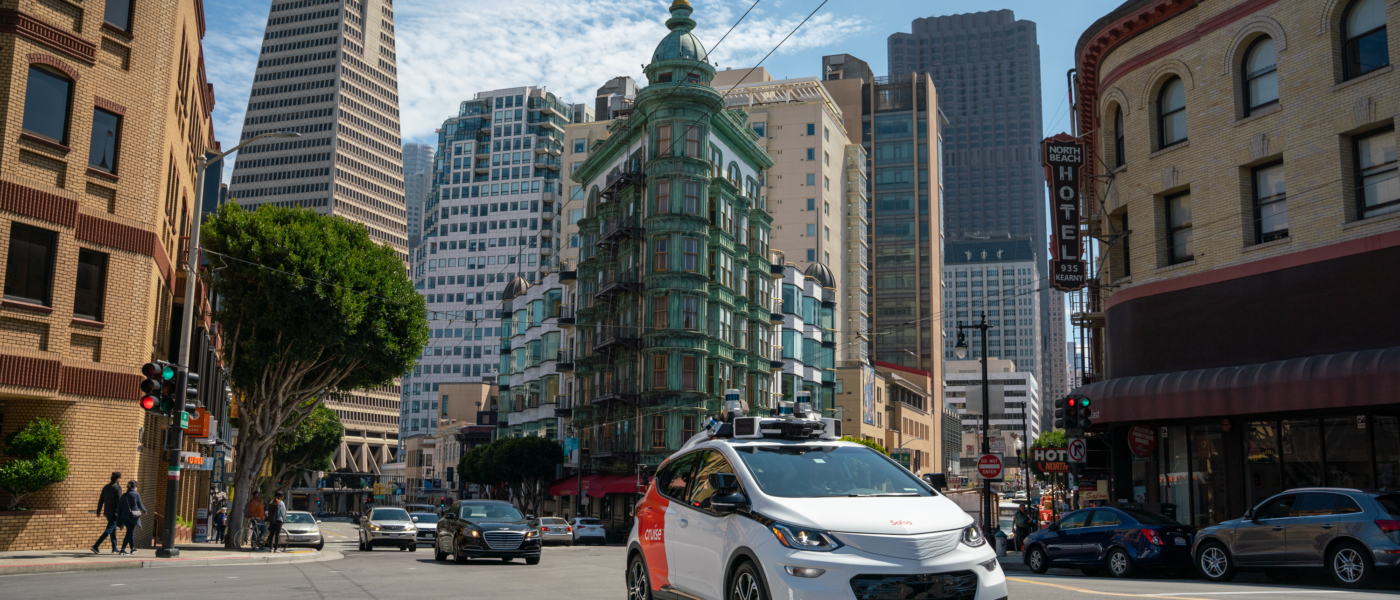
x: 175, y: 436
x: 988, y: 517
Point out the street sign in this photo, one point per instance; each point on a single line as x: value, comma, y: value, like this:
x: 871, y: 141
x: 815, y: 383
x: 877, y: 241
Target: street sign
x: 1063, y: 156
x: 998, y: 444
x: 184, y: 420
x: 1142, y: 440
x: 1051, y: 460
x: 1077, y: 450
x: 989, y: 467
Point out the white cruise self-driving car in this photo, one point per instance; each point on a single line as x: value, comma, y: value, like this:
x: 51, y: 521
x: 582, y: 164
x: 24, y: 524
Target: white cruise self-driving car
x: 779, y: 508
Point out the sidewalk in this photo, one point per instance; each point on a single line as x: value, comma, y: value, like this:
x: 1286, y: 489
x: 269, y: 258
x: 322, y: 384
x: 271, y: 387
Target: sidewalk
x: 191, y: 555
x: 1013, y: 563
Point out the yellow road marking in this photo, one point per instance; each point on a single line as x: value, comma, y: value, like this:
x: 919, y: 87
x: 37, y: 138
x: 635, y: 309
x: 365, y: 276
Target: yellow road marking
x: 1084, y: 591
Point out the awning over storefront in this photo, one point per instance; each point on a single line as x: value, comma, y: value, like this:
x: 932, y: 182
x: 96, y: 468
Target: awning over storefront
x: 1343, y: 379
x: 620, y: 484
x: 598, y: 486
x: 568, y: 486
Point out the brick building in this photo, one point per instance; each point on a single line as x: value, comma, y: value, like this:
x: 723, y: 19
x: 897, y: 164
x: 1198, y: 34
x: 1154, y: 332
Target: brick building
x: 1246, y: 177
x: 106, y: 110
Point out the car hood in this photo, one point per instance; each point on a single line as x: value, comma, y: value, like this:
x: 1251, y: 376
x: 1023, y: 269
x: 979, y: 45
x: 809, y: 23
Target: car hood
x: 897, y: 515
x: 410, y: 524
x: 498, y: 526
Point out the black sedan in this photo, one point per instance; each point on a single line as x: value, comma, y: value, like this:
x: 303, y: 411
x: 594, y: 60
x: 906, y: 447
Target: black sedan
x: 486, y: 529
x: 1121, y: 540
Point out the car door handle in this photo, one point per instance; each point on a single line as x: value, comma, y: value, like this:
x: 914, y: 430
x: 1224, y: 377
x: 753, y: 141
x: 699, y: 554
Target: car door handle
x: 684, y: 522
x: 1278, y: 528
x: 1328, y: 526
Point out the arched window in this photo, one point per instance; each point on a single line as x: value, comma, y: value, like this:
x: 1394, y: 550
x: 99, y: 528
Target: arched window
x: 1260, y: 75
x: 1171, y: 113
x: 1120, y: 151
x: 1365, y: 48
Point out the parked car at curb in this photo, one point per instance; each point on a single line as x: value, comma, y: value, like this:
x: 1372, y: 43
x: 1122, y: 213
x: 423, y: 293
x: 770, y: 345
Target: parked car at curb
x: 1352, y: 534
x: 388, y: 526
x: 487, y: 529
x: 302, y: 529
x: 588, y: 530
x: 554, y: 530
x: 1121, y: 541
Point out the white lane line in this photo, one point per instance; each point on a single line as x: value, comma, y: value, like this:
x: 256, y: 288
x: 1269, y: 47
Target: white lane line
x: 117, y: 584
x: 1281, y: 591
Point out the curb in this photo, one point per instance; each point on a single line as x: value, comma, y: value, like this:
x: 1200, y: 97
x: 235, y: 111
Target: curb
x: 168, y: 563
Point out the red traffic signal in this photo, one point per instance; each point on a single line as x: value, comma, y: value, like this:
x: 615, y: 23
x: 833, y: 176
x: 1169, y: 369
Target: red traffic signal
x: 149, y: 402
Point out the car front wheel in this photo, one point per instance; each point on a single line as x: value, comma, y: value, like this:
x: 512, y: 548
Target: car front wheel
x: 747, y: 585
x: 1350, y: 565
x: 1215, y: 563
x: 1037, y: 561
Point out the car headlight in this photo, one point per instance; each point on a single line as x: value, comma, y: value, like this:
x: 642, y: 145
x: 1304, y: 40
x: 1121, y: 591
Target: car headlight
x: 532, y: 533
x: 802, y: 538
x: 373, y: 527
x: 476, y: 533
x: 973, y: 537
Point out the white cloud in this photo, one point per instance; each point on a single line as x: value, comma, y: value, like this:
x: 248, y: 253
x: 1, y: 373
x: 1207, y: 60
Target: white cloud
x: 449, y: 51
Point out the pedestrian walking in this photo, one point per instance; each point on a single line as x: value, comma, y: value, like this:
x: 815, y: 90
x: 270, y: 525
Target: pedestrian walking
x: 107, y: 502
x: 130, y: 516
x: 220, y: 524
x: 1024, y: 524
x: 277, y: 515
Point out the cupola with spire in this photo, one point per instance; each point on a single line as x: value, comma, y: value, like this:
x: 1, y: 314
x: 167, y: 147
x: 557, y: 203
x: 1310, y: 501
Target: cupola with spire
x: 669, y: 61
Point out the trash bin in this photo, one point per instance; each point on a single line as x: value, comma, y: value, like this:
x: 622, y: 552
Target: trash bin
x: 999, y: 537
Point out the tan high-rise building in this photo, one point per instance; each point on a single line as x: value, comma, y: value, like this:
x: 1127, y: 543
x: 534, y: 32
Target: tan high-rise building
x: 102, y: 130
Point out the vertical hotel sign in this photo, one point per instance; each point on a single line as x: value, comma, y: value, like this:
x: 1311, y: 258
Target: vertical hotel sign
x: 1064, y: 170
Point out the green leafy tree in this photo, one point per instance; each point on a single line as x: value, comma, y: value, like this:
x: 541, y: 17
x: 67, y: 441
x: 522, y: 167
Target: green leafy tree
x: 872, y: 443
x: 37, y: 460
x: 309, y: 447
x: 311, y: 307
x: 1054, y: 438
x: 518, y: 467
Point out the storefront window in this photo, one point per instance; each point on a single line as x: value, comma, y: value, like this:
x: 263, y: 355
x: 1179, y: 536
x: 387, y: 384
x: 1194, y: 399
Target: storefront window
x: 1175, y: 474
x: 1302, y: 454
x: 1348, y: 452
x: 1262, y: 478
x: 1208, y: 482
x: 1387, y: 432
x: 1139, y: 480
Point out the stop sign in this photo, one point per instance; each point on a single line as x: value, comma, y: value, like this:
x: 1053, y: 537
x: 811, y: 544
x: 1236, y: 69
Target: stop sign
x: 989, y: 466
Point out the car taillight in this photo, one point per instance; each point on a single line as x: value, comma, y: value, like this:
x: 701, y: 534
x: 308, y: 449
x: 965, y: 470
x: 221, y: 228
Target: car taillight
x: 1153, y: 537
x: 1388, y: 527
x: 571, y: 530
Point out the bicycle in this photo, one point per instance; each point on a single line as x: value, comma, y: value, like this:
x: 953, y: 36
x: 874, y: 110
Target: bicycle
x: 252, y: 535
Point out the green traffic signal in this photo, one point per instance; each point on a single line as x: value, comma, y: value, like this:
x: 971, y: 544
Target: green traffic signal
x: 167, y: 372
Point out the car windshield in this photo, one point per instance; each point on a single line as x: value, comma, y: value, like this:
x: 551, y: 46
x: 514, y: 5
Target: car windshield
x: 1391, y: 504
x: 588, y: 522
x: 1148, y: 518
x: 491, y: 512
x: 426, y: 517
x: 827, y: 472
x: 389, y: 514
x: 300, y: 518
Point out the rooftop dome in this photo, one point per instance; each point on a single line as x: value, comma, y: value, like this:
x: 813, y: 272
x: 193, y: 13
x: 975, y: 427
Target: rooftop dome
x: 516, y: 288
x: 680, y: 43
x: 821, y: 274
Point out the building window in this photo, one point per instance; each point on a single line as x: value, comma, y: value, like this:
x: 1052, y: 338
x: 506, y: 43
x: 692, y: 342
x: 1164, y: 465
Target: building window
x: 1378, y: 180
x: 658, y: 431
x: 692, y: 142
x: 29, y: 269
x: 692, y: 198
x: 1270, y: 206
x: 1120, y: 149
x: 687, y: 372
x: 117, y: 13
x: 1171, y: 113
x: 46, y: 102
x: 716, y: 160
x: 663, y: 197
x: 663, y: 140
x: 690, y: 314
x: 92, y: 279
x: 1260, y: 75
x: 1127, y: 246
x: 811, y: 129
x: 1366, y: 48
x: 659, y: 316
x: 1179, y: 228
x: 690, y: 249
x: 687, y: 427
x: 658, y: 371
x: 811, y: 154
x: 760, y: 127
x: 580, y: 145
x: 106, y: 138
x: 662, y: 256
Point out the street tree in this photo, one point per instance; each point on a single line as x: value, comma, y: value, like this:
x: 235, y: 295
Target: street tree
x: 309, y: 447
x: 530, y: 463
x: 864, y: 442
x: 36, y: 460
x: 311, y: 307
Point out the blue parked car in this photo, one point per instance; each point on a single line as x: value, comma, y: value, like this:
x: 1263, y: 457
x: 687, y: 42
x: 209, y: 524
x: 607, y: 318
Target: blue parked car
x: 1121, y: 540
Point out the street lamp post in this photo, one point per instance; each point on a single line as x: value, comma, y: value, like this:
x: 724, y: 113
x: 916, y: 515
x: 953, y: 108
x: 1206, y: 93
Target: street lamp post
x: 176, y: 438
x: 961, y: 351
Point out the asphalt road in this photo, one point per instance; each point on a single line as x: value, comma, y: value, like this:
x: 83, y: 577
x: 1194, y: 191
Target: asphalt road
x: 582, y: 573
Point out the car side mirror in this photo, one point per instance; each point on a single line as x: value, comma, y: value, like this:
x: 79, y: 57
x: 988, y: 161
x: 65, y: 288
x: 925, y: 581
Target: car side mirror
x: 1054, y: 527
x: 415, y: 519
x: 733, y: 501
x: 318, y: 521
x: 724, y: 482
x: 530, y: 518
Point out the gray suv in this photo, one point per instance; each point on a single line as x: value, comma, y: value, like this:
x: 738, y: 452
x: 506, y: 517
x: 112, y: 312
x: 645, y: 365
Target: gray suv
x: 1350, y: 533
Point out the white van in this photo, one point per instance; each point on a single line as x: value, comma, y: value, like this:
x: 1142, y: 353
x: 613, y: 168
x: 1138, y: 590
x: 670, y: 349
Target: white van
x: 777, y: 508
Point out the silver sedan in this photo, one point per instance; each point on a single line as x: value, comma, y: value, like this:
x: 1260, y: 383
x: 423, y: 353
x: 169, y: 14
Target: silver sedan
x: 554, y: 530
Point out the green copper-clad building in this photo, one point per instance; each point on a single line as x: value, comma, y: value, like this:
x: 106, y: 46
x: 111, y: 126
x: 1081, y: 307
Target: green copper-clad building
x: 674, y: 288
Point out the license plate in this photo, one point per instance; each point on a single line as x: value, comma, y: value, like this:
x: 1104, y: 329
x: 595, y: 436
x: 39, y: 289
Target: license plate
x: 1181, y: 541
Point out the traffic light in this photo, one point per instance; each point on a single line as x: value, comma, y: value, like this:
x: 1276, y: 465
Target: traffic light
x: 1077, y: 414
x: 158, y: 386
x: 1060, y: 413
x: 190, y: 401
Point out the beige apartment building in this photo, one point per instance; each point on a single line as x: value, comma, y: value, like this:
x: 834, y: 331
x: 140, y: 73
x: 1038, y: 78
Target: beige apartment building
x: 106, y: 110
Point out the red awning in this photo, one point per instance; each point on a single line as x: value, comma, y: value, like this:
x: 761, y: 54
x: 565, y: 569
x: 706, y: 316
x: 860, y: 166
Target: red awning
x: 1343, y: 379
x: 568, y: 486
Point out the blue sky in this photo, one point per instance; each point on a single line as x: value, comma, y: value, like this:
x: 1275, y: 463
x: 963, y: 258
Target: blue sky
x: 449, y: 50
